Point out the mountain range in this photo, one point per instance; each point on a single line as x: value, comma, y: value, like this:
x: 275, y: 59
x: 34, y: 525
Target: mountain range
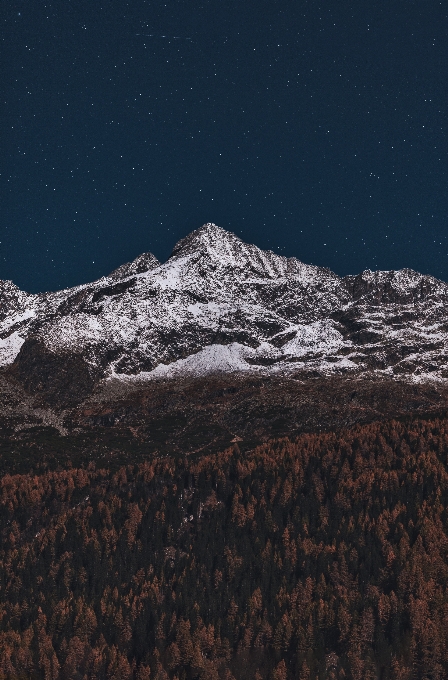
x: 220, y: 305
x: 220, y: 311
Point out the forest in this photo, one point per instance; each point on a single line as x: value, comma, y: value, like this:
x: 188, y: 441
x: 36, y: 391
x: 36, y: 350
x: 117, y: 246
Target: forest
x: 323, y: 556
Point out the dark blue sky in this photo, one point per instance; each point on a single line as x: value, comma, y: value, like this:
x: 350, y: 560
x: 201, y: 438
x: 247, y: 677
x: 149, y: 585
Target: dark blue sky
x: 316, y: 129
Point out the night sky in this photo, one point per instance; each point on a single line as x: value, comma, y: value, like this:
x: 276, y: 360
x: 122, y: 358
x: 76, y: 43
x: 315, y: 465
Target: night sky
x: 315, y: 129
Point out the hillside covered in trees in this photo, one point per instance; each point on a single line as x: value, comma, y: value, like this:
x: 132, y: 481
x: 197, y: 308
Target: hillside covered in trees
x: 325, y: 556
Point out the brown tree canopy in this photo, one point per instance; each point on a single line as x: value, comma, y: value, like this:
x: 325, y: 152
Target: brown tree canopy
x: 322, y: 557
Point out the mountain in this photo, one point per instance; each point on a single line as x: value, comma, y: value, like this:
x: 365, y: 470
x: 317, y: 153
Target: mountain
x: 219, y: 305
x: 225, y: 466
x: 217, y: 467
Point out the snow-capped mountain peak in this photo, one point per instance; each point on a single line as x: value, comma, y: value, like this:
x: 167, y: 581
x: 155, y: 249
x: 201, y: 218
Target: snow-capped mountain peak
x: 219, y: 304
x: 143, y: 263
x: 225, y: 249
x: 402, y: 286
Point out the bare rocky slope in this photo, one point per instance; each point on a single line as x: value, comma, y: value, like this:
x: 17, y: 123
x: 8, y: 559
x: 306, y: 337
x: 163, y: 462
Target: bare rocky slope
x: 222, y: 312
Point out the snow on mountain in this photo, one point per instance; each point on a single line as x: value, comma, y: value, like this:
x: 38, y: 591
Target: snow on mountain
x: 142, y: 263
x: 219, y: 304
x: 403, y: 287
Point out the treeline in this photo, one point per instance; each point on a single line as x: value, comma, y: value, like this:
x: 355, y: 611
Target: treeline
x: 323, y: 557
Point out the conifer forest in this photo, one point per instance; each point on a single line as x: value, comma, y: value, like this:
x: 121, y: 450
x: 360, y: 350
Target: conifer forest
x: 323, y: 556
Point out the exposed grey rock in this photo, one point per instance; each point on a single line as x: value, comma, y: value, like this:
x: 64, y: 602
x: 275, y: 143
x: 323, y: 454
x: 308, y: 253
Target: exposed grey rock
x: 143, y: 263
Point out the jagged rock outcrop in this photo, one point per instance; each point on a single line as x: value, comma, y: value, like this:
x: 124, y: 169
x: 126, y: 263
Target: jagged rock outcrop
x: 143, y: 263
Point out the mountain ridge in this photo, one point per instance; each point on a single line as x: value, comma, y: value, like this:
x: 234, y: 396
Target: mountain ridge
x: 219, y: 305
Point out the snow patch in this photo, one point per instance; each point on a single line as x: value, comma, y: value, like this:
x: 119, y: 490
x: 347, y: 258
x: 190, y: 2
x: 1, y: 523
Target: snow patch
x: 211, y: 359
x: 320, y: 336
x: 10, y: 347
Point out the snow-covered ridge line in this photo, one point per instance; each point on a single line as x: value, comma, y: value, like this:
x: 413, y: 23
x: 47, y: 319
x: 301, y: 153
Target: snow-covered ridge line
x: 219, y: 304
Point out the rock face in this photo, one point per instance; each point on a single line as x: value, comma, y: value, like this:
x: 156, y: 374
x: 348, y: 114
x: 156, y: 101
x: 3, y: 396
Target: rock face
x: 219, y: 305
x: 142, y: 263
